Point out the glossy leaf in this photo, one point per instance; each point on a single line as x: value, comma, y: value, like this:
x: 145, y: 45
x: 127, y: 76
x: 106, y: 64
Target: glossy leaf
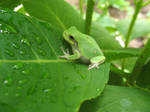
x: 33, y: 78
x: 103, y: 38
x: 140, y: 29
x: 119, y: 99
x: 58, y: 12
x: 62, y: 15
x: 117, y: 54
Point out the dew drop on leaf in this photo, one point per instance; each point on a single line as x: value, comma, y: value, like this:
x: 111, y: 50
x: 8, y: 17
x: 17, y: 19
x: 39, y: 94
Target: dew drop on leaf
x: 46, y: 76
x: 2, y: 11
x: 1, y: 31
x: 97, y: 89
x: 15, y: 45
x: 46, y: 90
x: 21, y: 82
x: 26, y: 42
x: 41, y: 52
x: 31, y: 90
x: 8, y: 81
x: 17, y: 94
x: 25, y: 72
x: 83, y: 76
x: 18, y: 66
x: 38, y: 40
x: 8, y: 52
x: 22, y: 52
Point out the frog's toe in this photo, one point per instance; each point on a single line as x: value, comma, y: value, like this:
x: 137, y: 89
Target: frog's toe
x: 65, y: 52
x: 65, y: 57
x: 95, y: 65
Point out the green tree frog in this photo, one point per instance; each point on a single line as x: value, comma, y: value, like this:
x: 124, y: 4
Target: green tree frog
x: 84, y: 48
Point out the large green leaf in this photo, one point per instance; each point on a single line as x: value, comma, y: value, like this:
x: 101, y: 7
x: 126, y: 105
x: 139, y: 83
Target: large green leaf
x: 117, y: 54
x: 140, y: 29
x: 33, y: 78
x: 9, y: 3
x: 119, y: 99
x: 58, y: 12
x: 103, y: 38
x: 62, y: 15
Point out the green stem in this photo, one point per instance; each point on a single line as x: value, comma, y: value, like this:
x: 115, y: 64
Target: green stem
x: 120, y: 73
x: 141, y: 61
x: 146, y: 3
x: 137, y: 9
x: 81, y: 6
x: 89, y: 13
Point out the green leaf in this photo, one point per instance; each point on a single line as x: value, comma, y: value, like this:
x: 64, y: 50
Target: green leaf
x: 117, y: 54
x: 103, y: 38
x: 9, y: 3
x: 119, y: 99
x: 140, y: 29
x: 106, y: 21
x: 33, y: 78
x: 62, y: 15
x: 58, y: 12
x: 143, y: 79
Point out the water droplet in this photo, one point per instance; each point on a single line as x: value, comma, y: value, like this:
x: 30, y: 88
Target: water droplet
x: 9, y: 53
x: 25, y: 72
x: 83, y: 76
x: 26, y: 42
x: 15, y: 45
x: 31, y: 90
x: 17, y: 94
x: 75, y: 87
x: 38, y: 40
x: 18, y: 66
x: 97, y: 89
x: 46, y: 90
x: 41, y: 52
x: 21, y: 82
x: 1, y: 31
x: 22, y: 52
x: 46, y: 76
x: 8, y: 81
x: 2, y: 11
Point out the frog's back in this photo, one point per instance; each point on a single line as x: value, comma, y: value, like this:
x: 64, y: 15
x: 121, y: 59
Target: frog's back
x: 89, y: 47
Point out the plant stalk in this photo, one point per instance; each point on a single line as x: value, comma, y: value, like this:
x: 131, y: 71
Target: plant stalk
x: 146, y: 3
x: 138, y: 6
x: 141, y: 61
x: 81, y: 6
x: 89, y: 13
x: 137, y: 9
x: 120, y: 73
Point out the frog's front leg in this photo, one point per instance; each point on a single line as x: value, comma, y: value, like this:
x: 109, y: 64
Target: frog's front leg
x: 96, y: 61
x: 74, y: 56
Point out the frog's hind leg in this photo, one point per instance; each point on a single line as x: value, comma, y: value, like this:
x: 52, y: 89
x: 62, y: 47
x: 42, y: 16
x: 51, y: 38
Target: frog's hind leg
x: 96, y: 61
x: 95, y: 65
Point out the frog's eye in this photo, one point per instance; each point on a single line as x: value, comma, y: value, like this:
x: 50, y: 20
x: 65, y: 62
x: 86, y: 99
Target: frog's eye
x: 71, y: 37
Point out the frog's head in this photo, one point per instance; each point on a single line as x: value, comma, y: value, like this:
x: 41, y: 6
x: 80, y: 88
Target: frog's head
x: 70, y: 34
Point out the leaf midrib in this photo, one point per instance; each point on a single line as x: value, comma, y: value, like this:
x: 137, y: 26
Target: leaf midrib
x: 34, y: 61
